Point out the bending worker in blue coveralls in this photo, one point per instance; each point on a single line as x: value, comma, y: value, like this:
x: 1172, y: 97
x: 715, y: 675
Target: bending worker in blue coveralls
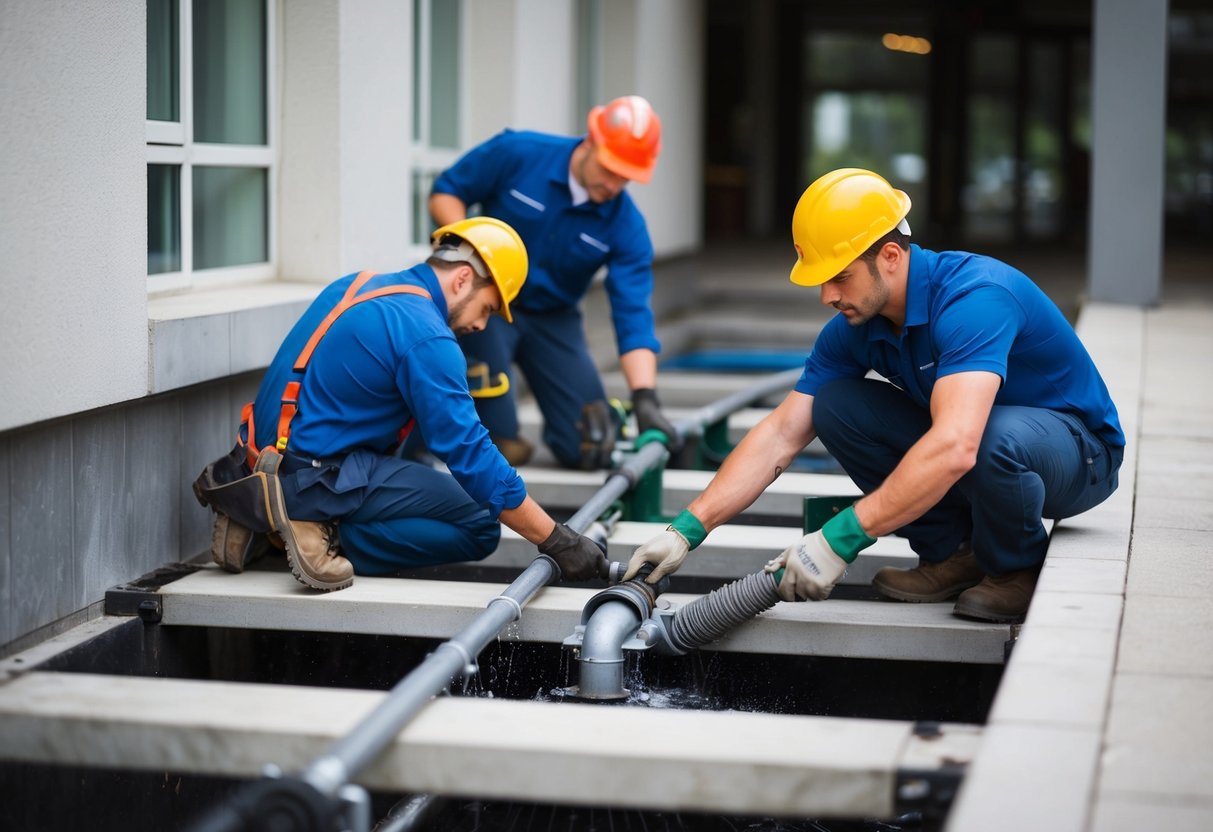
x: 372, y: 358
x: 566, y: 198
x: 990, y: 415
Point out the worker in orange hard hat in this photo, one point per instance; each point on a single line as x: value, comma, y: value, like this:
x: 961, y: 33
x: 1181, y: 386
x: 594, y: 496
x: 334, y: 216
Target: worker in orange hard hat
x: 566, y: 197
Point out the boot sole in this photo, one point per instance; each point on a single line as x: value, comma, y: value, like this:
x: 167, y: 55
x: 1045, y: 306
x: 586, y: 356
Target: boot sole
x: 981, y: 614
x: 283, y: 522
x: 920, y: 598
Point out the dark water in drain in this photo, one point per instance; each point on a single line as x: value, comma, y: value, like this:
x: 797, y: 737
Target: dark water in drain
x: 60, y: 797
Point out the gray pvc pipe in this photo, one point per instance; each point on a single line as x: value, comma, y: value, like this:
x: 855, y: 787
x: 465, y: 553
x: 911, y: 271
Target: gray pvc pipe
x: 602, y: 662
x: 448, y: 662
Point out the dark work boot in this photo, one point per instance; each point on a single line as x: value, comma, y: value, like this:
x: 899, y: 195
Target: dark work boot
x: 1001, y: 598
x: 516, y: 451
x: 930, y: 582
x: 234, y: 546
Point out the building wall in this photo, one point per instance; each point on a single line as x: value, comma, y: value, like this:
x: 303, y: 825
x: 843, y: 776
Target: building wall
x: 73, y: 224
x: 113, y: 402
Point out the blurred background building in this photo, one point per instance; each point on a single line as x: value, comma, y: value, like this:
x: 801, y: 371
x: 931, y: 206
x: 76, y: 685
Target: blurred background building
x: 178, y: 178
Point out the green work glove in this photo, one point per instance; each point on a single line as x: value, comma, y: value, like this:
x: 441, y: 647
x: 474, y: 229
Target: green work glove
x: 813, y: 565
x: 669, y: 549
x: 650, y: 417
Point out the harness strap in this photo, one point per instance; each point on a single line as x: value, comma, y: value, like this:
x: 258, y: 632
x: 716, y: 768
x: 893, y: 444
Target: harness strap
x: 290, y: 394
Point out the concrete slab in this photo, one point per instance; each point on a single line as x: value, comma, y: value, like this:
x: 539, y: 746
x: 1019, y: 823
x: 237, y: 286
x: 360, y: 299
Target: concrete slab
x: 1028, y: 777
x: 1071, y: 574
x: 740, y: 763
x: 1172, y: 562
x: 440, y: 609
x: 1167, y: 635
x: 730, y: 551
x: 1133, y: 813
x: 1080, y: 610
x: 1173, y: 513
x: 1074, y: 696
x: 1158, y: 738
x: 784, y: 497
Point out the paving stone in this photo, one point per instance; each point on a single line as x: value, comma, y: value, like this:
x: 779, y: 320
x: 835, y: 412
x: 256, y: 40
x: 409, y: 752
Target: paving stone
x: 1130, y: 813
x: 1173, y: 513
x: 1027, y: 777
x: 1072, y: 695
x: 1172, y: 562
x: 1082, y: 575
x: 1159, y: 737
x: 1066, y: 647
x: 1075, y: 609
x: 1167, y: 635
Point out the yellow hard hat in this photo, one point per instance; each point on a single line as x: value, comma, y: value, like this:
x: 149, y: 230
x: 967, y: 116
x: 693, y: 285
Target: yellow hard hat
x: 500, y: 249
x: 838, y: 217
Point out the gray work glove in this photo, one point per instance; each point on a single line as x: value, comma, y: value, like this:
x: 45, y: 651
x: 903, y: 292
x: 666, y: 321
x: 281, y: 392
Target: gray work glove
x: 650, y: 417
x: 669, y: 549
x: 811, y: 569
x: 578, y: 557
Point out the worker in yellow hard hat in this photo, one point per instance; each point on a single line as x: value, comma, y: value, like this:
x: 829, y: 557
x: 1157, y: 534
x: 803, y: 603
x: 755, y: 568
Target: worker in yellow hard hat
x: 989, y: 415
x: 567, y: 198
x: 371, y: 360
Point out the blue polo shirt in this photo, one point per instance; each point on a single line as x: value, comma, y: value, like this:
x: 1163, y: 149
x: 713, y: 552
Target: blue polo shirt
x: 382, y: 363
x: 523, y: 179
x: 968, y: 312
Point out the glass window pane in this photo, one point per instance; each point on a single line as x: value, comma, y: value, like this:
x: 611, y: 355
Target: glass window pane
x: 163, y: 218
x: 989, y: 191
x: 163, y: 80
x: 418, y: 78
x: 230, y: 216
x: 444, y: 74
x: 423, y: 226
x: 230, y: 71
x: 589, y: 40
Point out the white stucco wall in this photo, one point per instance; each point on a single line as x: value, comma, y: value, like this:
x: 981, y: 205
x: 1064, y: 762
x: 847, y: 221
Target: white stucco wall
x: 73, y: 215
x: 665, y: 39
x: 344, y: 137
x: 545, y: 65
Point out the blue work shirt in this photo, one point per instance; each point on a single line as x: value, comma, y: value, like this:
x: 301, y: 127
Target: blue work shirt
x: 383, y: 362
x: 968, y: 312
x: 523, y: 179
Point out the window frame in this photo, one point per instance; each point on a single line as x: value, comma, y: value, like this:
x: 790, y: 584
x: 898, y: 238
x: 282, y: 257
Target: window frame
x: 172, y: 143
x: 426, y: 161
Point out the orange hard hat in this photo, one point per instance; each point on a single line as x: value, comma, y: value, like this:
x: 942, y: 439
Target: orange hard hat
x: 627, y: 135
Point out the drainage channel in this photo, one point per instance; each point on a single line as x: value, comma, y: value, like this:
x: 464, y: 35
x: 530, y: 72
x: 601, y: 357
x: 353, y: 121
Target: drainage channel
x: 788, y: 715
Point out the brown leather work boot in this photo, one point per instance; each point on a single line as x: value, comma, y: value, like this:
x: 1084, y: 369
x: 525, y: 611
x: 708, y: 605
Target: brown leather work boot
x: 516, y: 451
x: 929, y: 582
x: 1001, y: 598
x: 234, y: 546
x: 311, y: 552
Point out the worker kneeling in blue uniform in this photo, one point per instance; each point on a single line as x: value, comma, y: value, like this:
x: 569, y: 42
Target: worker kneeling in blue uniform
x: 373, y: 358
x: 566, y: 198
x: 989, y: 417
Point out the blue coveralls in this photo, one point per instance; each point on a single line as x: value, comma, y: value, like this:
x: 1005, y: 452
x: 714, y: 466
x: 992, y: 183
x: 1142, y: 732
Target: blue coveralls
x: 1053, y: 444
x: 383, y: 363
x: 523, y: 179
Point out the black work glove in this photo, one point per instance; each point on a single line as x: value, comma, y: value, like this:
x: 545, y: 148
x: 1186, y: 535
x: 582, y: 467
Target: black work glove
x: 650, y: 417
x: 579, y: 557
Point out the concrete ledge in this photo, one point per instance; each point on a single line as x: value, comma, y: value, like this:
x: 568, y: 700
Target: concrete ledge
x: 440, y: 609
x: 731, y: 762
x: 207, y: 335
x: 1038, y: 767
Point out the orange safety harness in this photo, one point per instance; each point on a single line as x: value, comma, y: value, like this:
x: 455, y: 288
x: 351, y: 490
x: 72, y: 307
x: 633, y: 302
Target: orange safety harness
x: 290, y: 394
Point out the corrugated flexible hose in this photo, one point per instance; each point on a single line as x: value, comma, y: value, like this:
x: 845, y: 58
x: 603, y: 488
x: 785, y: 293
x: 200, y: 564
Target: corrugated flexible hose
x: 708, y: 618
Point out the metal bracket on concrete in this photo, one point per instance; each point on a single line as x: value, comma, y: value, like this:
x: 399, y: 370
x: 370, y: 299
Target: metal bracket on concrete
x: 929, y: 792
x: 141, y: 596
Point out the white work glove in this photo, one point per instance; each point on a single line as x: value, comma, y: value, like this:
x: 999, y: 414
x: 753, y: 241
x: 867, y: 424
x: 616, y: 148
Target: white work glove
x: 811, y: 568
x: 816, y: 562
x: 669, y: 549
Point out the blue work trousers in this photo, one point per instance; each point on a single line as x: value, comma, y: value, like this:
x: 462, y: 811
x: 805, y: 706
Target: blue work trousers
x: 551, y: 351
x: 392, y: 514
x: 1033, y: 463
